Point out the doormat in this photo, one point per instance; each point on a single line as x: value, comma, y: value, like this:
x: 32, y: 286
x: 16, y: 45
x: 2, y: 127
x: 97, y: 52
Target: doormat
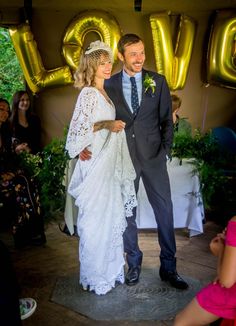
x: 150, y: 299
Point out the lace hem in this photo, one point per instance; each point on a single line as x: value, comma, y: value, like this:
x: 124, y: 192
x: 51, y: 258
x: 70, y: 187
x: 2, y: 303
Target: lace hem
x: 103, y: 287
x: 129, y: 197
x: 116, y: 237
x: 126, y: 174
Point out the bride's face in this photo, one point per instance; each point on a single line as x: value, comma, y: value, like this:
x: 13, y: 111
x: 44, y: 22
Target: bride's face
x: 104, y: 68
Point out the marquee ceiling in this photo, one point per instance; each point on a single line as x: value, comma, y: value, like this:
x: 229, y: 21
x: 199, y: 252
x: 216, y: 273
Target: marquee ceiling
x: 124, y: 5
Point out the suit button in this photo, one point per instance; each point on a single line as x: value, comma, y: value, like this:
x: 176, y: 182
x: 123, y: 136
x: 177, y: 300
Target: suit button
x: 133, y: 136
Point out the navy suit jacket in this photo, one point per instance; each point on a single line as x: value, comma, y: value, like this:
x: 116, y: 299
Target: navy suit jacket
x: 150, y: 133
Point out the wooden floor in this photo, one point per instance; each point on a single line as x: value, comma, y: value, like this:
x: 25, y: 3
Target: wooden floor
x: 39, y: 267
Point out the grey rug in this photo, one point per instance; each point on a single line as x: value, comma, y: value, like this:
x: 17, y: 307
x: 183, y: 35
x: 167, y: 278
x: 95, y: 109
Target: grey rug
x: 150, y: 299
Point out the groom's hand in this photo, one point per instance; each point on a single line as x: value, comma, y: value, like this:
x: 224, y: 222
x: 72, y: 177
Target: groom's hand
x: 85, y: 155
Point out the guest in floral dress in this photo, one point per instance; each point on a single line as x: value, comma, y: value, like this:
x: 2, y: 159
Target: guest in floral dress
x: 18, y: 192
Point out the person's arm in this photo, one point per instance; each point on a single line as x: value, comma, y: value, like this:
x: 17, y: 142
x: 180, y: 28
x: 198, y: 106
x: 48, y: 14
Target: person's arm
x: 166, y: 120
x: 227, y: 269
x: 112, y: 125
x: 80, y: 133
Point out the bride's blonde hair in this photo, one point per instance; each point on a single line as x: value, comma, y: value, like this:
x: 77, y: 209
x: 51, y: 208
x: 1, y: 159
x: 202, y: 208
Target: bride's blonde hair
x: 89, y: 62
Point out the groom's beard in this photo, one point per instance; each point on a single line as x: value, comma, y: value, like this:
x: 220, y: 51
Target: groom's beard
x: 133, y: 67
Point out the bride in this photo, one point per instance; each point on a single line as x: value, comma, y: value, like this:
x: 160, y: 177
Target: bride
x: 102, y: 186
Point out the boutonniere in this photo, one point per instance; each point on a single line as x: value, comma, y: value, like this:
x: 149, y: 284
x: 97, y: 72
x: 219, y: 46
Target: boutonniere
x: 149, y: 83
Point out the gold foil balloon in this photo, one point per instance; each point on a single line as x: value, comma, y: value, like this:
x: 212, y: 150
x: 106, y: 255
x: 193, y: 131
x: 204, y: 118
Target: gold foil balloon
x: 96, y: 21
x: 37, y: 77
x: 172, y: 62
x: 221, y: 56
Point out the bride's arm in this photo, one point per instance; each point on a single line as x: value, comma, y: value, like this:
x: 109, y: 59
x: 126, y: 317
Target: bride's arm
x: 80, y: 134
x: 112, y: 125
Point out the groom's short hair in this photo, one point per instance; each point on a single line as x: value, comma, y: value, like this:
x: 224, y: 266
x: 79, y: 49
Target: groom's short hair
x: 127, y: 39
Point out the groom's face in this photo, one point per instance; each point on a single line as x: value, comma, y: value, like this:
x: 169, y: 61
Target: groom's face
x: 133, y: 58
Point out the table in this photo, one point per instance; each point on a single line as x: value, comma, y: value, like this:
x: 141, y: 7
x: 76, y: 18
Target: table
x: 186, y: 197
x: 187, y: 201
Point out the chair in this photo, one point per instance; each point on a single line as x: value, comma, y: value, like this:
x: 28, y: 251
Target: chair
x: 226, y: 139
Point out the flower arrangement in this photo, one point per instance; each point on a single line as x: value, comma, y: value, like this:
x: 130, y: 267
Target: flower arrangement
x: 149, y: 83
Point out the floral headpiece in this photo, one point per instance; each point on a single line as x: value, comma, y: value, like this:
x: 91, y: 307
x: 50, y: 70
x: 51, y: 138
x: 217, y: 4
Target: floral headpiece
x: 99, y: 45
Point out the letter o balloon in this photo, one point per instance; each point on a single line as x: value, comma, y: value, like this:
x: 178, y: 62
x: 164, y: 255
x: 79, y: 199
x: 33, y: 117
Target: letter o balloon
x: 96, y: 21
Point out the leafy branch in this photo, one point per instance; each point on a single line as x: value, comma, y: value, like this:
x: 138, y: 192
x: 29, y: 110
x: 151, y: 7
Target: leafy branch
x: 209, y: 162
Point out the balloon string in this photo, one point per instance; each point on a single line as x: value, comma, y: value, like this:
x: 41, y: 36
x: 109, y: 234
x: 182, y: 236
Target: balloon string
x: 234, y: 51
x: 204, y: 105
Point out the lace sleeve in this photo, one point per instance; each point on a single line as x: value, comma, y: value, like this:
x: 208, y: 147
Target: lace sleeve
x: 80, y: 133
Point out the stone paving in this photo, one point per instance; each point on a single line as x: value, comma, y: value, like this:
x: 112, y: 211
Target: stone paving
x: 41, y: 269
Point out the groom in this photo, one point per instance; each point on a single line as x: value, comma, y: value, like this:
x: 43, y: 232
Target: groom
x: 142, y: 100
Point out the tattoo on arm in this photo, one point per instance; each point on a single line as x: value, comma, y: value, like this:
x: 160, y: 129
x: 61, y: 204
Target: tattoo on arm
x: 102, y: 125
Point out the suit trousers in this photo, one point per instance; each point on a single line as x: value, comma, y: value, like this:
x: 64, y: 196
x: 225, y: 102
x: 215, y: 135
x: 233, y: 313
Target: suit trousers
x: 156, y: 182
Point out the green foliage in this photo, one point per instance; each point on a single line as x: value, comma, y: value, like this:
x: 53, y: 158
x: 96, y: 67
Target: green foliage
x: 11, y: 75
x: 208, y: 161
x: 48, y: 169
x: 200, y: 146
x: 54, y: 160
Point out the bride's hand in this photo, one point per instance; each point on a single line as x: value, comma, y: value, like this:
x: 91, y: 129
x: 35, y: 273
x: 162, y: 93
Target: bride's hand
x: 117, y: 125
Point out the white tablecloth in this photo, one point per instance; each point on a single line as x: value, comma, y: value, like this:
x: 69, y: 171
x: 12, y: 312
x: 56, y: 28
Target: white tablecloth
x: 187, y: 201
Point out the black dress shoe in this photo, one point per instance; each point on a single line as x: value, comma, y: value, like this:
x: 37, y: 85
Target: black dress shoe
x: 132, y: 277
x: 174, y: 279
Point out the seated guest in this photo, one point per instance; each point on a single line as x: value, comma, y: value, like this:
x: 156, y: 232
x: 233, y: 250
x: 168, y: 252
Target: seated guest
x: 26, y: 126
x: 181, y: 125
x: 218, y: 299
x: 18, y: 192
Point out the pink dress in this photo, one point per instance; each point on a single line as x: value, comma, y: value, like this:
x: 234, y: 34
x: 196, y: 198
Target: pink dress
x: 218, y: 300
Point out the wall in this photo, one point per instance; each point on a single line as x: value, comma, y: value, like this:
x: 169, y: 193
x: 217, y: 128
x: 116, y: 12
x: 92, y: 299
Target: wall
x: 206, y: 107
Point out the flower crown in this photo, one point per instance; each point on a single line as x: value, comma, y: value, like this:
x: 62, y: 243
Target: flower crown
x: 99, y: 45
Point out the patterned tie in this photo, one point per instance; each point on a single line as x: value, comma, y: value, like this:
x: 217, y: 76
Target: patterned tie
x: 134, y: 96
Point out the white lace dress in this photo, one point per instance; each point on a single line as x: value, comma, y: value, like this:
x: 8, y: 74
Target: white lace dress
x: 103, y: 189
